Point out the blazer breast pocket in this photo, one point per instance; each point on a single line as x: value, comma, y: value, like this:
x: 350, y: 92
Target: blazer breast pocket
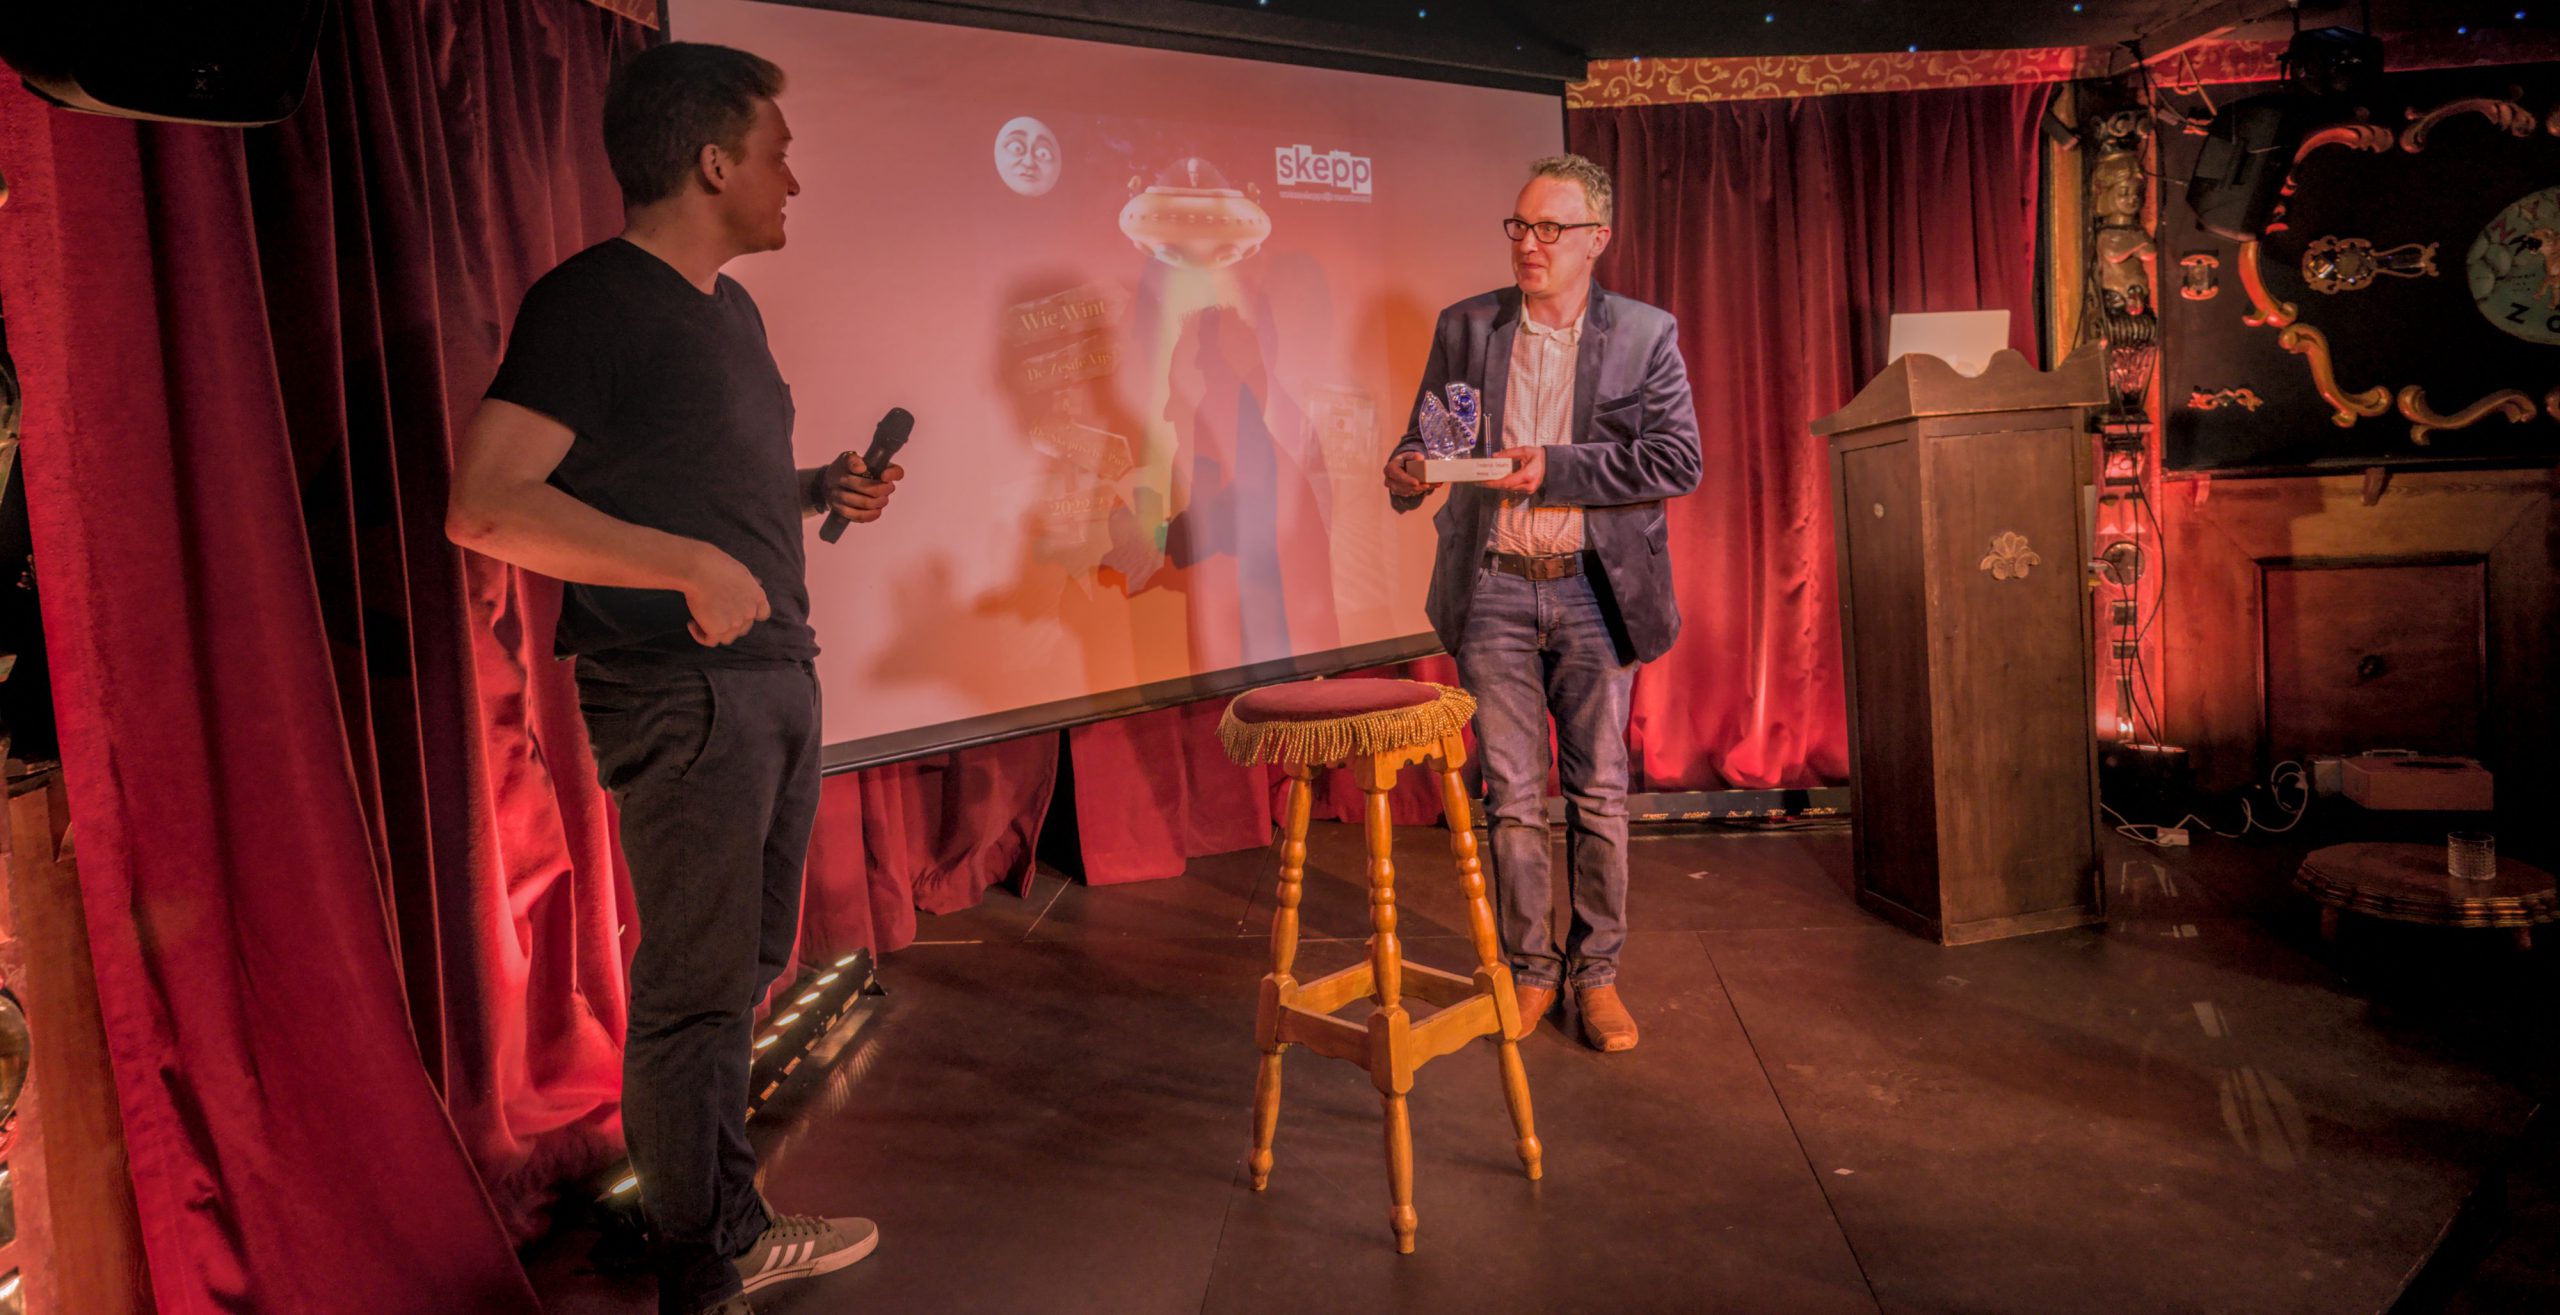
x: 1621, y: 417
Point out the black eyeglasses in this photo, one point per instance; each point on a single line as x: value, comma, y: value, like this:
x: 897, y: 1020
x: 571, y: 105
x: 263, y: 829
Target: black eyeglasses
x: 1547, y: 230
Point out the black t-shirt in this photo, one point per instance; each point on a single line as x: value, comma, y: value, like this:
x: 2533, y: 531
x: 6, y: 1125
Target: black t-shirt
x: 682, y: 424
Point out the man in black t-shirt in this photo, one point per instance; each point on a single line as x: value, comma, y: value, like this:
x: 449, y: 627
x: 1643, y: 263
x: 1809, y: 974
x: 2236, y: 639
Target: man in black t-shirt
x: 637, y: 445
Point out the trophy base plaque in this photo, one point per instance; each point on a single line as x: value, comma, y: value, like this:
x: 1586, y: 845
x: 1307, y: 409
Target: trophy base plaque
x: 1464, y: 470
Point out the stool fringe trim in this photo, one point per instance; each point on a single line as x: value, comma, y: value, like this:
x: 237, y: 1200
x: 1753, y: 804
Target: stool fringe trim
x: 1335, y: 739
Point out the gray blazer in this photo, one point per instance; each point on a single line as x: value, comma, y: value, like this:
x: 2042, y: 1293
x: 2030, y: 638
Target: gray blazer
x: 1634, y: 443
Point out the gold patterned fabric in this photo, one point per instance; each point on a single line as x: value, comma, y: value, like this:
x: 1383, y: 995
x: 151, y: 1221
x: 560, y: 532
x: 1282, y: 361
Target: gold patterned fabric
x: 1617, y: 83
x: 1614, y: 83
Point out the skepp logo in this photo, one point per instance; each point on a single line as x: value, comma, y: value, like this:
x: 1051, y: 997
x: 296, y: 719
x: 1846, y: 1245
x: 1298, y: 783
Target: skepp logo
x: 1304, y: 166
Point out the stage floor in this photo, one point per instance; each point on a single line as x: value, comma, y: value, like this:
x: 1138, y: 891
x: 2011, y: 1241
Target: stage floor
x: 2188, y: 1111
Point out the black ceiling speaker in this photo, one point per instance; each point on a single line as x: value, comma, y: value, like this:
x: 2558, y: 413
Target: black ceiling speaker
x: 2248, y: 151
x: 185, y: 61
x: 2240, y: 169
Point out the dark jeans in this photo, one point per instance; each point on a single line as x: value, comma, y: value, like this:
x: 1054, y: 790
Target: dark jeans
x: 1532, y: 649
x: 716, y: 773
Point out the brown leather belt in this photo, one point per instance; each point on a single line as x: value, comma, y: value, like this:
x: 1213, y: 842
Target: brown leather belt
x: 1536, y: 568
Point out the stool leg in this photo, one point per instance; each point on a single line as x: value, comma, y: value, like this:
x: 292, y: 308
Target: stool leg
x: 1386, y: 949
x: 1462, y: 843
x: 1390, y: 1061
x: 1280, y: 985
x: 1400, y: 1214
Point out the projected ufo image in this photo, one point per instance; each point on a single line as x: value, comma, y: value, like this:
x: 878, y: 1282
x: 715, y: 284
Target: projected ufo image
x: 1191, y: 218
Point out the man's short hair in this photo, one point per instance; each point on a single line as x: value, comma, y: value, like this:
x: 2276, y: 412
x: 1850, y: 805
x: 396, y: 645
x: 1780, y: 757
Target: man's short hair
x: 672, y: 100
x: 1594, y: 180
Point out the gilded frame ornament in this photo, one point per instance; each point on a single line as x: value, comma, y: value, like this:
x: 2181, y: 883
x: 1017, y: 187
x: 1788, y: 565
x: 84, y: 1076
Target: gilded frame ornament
x: 2294, y: 335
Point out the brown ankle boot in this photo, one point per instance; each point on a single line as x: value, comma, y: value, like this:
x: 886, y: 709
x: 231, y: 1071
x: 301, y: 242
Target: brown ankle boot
x: 1606, y: 1024
x: 1535, y: 1001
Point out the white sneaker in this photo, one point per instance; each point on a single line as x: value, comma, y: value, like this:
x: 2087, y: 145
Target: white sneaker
x: 802, y: 1246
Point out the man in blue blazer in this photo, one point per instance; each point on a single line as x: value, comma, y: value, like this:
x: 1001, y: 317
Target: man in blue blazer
x: 1553, y: 583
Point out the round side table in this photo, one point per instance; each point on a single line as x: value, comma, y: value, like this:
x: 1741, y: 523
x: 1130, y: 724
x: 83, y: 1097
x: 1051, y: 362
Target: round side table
x: 2408, y: 883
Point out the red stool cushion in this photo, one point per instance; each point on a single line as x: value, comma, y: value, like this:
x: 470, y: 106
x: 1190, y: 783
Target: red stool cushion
x: 1315, y: 722
x: 1325, y: 700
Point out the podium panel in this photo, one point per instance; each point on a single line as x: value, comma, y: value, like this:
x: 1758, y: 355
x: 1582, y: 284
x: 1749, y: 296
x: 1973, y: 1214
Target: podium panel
x: 1966, y: 629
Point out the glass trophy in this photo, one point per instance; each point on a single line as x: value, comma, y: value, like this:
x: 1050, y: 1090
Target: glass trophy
x: 1449, y: 439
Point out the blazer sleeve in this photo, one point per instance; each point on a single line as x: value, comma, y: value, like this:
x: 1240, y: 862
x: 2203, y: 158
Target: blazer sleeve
x: 1661, y: 462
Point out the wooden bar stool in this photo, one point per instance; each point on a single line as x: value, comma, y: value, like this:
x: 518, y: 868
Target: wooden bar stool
x: 1378, y: 727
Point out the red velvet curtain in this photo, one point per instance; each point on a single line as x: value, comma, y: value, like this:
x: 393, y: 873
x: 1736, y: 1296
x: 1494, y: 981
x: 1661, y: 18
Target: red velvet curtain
x: 446, y: 158
x: 926, y: 836
x: 288, y: 1150
x: 354, y: 891
x: 1782, y: 233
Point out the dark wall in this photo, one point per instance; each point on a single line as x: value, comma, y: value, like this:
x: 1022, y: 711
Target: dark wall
x: 2429, y: 332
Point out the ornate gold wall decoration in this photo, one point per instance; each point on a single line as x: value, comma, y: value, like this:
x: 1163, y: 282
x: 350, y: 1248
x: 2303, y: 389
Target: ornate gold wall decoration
x: 2198, y: 278
x: 2424, y: 422
x: 2307, y: 342
x: 2269, y: 310
x: 2354, y: 136
x: 2123, y: 258
x: 2010, y: 557
x: 2359, y: 136
x: 2507, y: 114
x: 2246, y: 399
x: 2334, y: 264
x: 2350, y: 264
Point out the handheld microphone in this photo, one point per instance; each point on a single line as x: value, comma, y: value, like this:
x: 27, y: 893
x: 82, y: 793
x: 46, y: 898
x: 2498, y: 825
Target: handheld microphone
x: 885, y: 442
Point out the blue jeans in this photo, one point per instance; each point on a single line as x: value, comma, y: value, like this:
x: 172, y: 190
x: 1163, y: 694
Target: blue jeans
x: 1533, y: 649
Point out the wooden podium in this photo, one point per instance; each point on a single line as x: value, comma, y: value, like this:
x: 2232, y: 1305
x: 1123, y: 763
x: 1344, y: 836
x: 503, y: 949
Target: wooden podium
x: 1963, y: 516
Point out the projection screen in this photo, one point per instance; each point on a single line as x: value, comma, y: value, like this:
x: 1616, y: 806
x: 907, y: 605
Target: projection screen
x: 1159, y: 317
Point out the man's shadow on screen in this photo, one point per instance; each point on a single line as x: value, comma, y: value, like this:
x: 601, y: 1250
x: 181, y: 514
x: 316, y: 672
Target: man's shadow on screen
x: 1247, y: 533
x: 1071, y: 603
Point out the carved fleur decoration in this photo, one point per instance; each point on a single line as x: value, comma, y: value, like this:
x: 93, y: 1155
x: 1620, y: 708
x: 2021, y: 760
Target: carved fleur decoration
x: 2010, y: 557
x: 2246, y: 399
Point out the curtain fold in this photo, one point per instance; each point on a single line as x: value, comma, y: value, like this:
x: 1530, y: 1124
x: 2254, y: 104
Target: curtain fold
x: 448, y: 156
x: 926, y: 836
x: 246, y: 972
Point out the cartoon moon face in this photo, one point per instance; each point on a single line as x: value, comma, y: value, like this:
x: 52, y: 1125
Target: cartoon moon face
x: 1027, y: 156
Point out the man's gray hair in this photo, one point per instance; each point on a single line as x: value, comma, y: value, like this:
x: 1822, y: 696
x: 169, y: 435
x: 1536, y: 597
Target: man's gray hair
x: 1594, y: 180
